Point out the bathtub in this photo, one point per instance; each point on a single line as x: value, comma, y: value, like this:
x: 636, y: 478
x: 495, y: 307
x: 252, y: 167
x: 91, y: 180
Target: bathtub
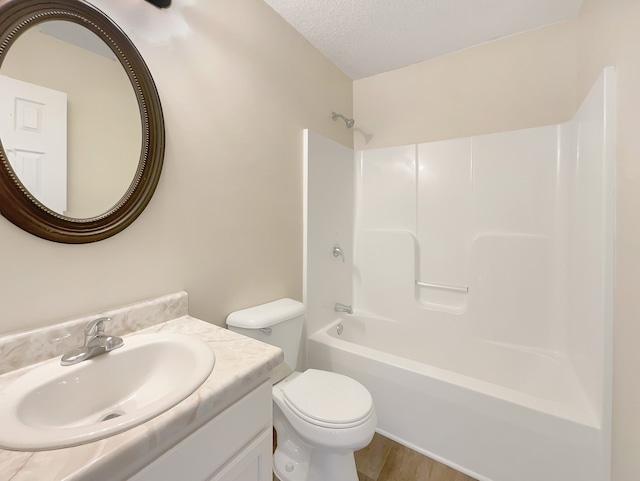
x: 494, y: 411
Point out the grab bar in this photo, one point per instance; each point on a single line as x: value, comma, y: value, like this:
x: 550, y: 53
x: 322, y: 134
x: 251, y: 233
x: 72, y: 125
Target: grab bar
x: 443, y: 286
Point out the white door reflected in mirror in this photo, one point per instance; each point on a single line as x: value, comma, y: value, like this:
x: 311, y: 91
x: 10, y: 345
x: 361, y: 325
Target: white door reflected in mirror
x: 104, y: 126
x: 33, y: 123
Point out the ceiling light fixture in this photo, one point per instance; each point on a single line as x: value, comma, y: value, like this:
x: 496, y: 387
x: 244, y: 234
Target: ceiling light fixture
x: 160, y: 3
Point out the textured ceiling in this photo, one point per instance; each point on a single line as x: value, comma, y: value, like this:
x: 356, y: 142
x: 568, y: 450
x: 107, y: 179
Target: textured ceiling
x: 367, y: 37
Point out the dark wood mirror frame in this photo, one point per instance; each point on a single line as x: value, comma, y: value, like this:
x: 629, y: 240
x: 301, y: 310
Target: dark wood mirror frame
x: 16, y: 203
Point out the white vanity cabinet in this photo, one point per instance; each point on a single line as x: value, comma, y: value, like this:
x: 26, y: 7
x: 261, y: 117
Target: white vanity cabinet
x: 236, y: 445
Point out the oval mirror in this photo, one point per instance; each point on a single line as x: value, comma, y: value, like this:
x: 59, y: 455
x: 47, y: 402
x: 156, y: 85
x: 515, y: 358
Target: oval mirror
x: 81, y: 126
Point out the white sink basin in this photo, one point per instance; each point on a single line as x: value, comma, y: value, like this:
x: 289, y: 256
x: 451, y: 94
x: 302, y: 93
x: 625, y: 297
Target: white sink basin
x: 56, y: 406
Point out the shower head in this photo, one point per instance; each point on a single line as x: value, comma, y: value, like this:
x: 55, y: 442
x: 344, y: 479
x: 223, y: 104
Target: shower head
x: 348, y: 122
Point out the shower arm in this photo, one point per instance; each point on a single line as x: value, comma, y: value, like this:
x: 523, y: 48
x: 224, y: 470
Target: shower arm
x: 349, y: 122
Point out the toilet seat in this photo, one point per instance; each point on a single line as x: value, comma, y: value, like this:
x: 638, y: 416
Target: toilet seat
x: 328, y: 399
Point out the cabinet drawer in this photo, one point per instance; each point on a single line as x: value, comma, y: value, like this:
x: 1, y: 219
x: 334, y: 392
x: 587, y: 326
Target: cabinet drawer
x: 204, y: 452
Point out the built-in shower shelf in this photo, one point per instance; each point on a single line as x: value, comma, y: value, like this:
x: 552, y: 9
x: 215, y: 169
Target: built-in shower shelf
x: 445, y: 287
x: 442, y: 297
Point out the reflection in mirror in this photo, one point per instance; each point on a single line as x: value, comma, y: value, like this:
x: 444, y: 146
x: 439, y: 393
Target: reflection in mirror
x: 69, y: 119
x: 97, y: 202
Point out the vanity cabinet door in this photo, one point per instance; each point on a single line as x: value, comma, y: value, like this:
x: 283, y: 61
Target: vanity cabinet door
x: 252, y: 464
x: 231, y: 444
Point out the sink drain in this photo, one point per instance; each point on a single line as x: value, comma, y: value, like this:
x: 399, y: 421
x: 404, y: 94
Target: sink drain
x: 111, y: 416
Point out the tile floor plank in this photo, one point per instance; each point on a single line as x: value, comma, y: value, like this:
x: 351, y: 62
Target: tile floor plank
x: 364, y: 477
x: 387, y: 460
x: 371, y: 459
x: 403, y: 464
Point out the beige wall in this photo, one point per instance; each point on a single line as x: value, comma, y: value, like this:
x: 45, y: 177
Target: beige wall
x: 531, y: 79
x: 238, y: 86
x: 523, y: 81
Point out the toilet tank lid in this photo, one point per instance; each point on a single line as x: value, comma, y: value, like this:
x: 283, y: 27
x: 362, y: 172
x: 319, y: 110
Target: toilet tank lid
x: 266, y: 315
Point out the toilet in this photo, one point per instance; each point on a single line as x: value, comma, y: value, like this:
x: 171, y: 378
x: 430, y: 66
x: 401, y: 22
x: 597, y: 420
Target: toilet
x: 320, y: 417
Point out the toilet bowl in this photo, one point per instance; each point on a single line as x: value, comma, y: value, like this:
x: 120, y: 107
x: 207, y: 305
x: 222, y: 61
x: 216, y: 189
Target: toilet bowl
x: 320, y: 417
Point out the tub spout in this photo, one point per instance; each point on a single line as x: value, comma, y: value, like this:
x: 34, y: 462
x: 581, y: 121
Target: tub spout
x: 343, y: 308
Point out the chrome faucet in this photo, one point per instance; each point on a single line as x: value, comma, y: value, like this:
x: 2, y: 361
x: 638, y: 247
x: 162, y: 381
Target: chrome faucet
x: 96, y: 342
x: 343, y: 308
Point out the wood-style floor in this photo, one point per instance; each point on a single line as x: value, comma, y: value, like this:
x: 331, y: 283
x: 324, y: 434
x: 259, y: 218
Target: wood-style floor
x: 386, y: 460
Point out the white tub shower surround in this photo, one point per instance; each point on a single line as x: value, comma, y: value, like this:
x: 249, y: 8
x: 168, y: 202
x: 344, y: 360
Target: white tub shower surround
x: 483, y: 270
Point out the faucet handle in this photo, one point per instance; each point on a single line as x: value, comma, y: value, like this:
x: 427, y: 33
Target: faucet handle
x: 96, y: 327
x: 337, y: 251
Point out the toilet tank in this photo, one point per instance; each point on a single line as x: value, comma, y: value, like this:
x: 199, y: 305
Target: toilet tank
x: 278, y: 323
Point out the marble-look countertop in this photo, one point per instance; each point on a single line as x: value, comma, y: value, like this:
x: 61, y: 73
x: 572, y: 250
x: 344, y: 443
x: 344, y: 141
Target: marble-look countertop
x: 241, y: 365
